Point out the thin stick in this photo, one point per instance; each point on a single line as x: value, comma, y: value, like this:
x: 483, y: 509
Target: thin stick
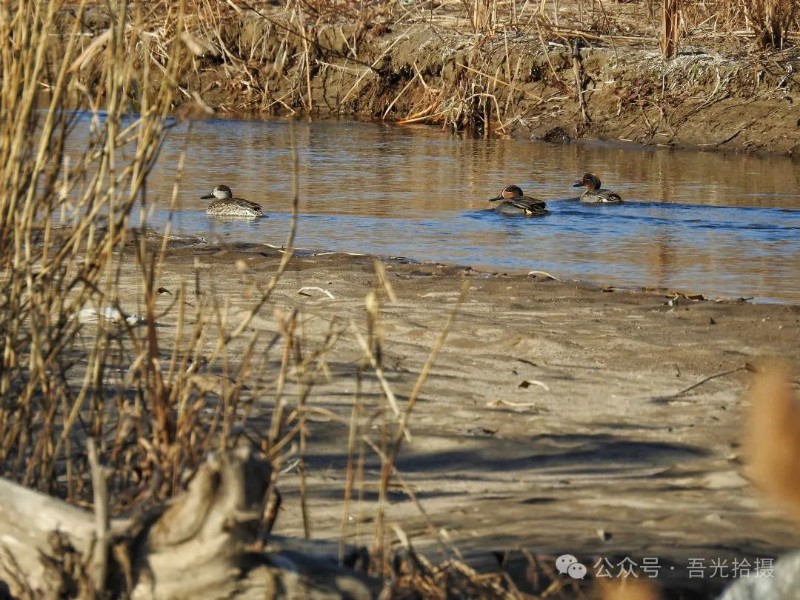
x: 577, y: 68
x: 390, y: 397
x: 670, y: 28
x: 101, y: 520
x: 289, y: 247
x: 496, y: 79
x: 396, y: 98
x: 371, y: 67
x: 350, y: 472
x: 709, y: 378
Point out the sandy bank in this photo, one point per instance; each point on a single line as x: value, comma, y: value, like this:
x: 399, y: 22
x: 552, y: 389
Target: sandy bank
x: 558, y: 417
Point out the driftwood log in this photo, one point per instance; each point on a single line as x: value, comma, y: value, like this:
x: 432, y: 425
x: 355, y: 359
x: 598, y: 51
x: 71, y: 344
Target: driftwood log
x: 204, y: 544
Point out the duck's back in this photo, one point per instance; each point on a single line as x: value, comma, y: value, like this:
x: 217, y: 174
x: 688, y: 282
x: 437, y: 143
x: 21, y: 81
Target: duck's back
x: 522, y: 205
x: 234, y: 207
x: 601, y: 196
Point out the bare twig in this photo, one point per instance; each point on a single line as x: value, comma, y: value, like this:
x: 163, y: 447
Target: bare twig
x: 707, y: 379
x: 577, y: 68
x: 391, y: 459
x: 101, y: 519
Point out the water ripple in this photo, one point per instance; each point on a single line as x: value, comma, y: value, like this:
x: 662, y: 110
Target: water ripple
x: 716, y: 224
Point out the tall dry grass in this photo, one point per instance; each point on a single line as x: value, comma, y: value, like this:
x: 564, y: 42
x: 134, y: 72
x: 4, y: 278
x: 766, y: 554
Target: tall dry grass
x: 50, y: 271
x: 670, y: 27
x: 287, y: 58
x: 73, y: 368
x: 767, y: 24
x: 771, y: 20
x: 150, y: 401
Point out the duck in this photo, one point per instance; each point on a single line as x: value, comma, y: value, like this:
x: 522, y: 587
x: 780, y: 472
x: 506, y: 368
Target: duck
x: 511, y: 201
x: 225, y: 205
x: 593, y: 193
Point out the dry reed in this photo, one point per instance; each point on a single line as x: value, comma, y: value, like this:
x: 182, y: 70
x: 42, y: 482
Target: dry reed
x: 670, y: 28
x: 307, y: 57
x: 51, y: 272
x: 771, y: 20
x: 773, y: 438
x: 87, y: 391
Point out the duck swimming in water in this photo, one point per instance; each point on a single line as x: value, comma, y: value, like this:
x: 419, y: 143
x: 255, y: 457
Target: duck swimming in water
x: 593, y: 193
x: 513, y: 202
x: 225, y: 205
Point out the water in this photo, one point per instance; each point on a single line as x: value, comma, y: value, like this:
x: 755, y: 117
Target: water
x: 714, y: 224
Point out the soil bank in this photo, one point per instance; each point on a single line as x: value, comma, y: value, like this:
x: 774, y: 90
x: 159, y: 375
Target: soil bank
x: 519, y: 78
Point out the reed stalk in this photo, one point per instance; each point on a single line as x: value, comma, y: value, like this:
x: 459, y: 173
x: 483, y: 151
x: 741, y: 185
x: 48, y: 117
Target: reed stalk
x: 670, y: 27
x: 771, y: 21
x: 55, y: 369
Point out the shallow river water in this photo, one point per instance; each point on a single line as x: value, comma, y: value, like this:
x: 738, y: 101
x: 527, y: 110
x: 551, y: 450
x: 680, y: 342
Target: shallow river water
x: 715, y: 224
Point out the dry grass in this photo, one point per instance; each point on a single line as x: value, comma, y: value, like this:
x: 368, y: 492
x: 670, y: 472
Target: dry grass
x: 247, y: 56
x: 771, y: 21
x: 773, y: 439
x: 52, y: 272
x: 670, y: 28
x: 82, y: 385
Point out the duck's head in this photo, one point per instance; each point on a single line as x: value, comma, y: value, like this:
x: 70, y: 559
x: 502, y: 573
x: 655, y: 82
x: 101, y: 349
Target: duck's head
x: 221, y: 192
x: 509, y: 192
x: 590, y: 180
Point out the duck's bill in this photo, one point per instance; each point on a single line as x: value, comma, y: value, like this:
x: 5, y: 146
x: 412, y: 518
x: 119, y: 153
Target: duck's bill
x: 207, y: 197
x: 578, y: 184
x: 496, y: 198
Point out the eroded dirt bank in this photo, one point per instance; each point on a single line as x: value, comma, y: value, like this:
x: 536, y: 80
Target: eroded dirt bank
x: 558, y: 417
x: 425, y: 66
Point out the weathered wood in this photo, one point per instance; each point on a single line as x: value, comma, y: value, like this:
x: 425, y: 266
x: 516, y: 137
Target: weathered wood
x: 101, y: 518
x: 205, y: 544
x: 27, y: 520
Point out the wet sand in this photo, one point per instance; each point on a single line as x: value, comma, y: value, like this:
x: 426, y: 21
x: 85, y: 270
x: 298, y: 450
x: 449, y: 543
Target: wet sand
x: 559, y: 417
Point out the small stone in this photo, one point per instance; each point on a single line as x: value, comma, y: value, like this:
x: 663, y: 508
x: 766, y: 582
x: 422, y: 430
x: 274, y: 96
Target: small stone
x: 604, y: 535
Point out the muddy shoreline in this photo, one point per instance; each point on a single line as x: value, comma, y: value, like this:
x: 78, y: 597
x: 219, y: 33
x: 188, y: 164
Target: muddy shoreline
x: 700, y: 100
x: 558, y: 418
x: 426, y: 67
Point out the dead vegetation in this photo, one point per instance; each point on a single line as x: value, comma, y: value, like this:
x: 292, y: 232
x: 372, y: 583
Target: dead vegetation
x: 118, y: 412
x: 485, y: 67
x: 773, y: 438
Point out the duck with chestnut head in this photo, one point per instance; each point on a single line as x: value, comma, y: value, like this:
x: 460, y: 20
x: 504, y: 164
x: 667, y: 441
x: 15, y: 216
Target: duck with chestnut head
x: 594, y: 194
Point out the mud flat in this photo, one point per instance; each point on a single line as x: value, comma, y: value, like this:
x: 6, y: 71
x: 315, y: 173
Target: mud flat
x: 559, y: 417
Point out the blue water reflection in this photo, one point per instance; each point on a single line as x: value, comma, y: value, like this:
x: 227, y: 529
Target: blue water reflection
x: 716, y: 224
